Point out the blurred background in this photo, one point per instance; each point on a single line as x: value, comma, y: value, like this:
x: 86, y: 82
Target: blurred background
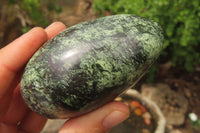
x: 179, y: 63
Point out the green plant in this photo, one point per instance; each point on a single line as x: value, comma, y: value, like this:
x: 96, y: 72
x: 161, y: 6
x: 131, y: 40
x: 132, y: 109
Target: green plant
x: 36, y: 12
x: 194, y: 120
x: 180, y: 20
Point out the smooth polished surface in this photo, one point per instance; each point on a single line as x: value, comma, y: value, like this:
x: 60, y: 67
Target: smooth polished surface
x: 89, y: 64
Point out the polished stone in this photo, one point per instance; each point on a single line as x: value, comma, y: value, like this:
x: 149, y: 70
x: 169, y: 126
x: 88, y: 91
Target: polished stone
x: 89, y: 64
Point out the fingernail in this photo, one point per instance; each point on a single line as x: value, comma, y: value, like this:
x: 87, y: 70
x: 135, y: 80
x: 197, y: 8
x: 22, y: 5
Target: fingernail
x: 52, y: 24
x: 54, y: 29
x: 114, y: 118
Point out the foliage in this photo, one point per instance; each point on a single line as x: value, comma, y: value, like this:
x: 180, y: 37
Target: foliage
x: 37, y: 11
x: 180, y: 20
x: 196, y: 124
x: 194, y: 120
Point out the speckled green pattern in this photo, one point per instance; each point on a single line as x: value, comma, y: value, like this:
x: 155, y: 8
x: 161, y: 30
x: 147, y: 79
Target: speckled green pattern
x: 89, y: 64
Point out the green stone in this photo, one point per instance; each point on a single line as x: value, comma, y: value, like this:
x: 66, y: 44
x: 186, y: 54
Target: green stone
x: 89, y: 64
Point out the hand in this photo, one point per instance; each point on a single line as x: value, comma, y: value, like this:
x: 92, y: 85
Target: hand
x: 15, y: 117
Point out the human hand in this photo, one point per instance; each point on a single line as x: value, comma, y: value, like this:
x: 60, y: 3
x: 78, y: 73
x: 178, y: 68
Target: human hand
x: 15, y: 117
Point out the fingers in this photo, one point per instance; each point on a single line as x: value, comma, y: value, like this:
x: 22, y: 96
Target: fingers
x: 54, y: 29
x: 4, y: 105
x: 32, y: 123
x: 15, y: 56
x: 6, y: 128
x: 17, y: 108
x: 99, y: 121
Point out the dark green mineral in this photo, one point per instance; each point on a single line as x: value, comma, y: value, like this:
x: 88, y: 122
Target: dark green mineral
x: 89, y: 64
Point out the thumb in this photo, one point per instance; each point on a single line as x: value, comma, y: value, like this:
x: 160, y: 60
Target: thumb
x: 98, y: 121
